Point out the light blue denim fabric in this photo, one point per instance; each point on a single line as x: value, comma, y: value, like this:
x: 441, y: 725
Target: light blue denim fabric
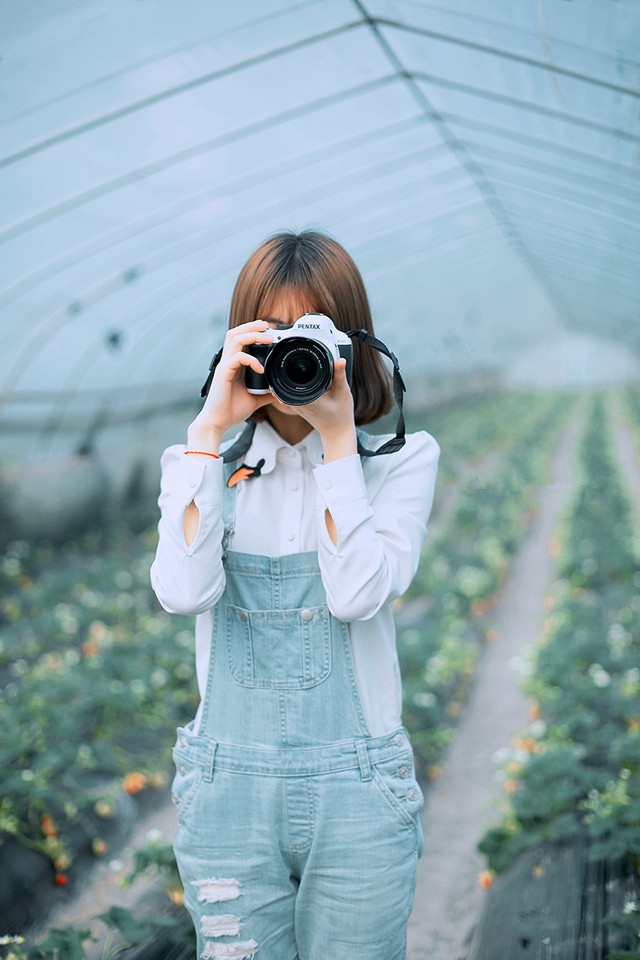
x: 298, y: 834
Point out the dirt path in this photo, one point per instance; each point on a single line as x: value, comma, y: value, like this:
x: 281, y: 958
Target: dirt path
x: 464, y: 801
x: 104, y: 886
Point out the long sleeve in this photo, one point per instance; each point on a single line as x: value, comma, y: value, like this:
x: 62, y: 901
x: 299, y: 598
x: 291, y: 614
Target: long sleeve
x: 189, y: 579
x: 380, y: 510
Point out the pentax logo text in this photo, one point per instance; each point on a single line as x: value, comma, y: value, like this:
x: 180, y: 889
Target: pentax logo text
x: 309, y: 326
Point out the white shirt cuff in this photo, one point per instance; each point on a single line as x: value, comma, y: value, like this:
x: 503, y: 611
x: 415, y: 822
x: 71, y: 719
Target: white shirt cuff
x: 196, y: 478
x: 341, y: 481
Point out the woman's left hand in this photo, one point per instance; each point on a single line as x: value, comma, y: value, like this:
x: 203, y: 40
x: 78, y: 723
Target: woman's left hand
x: 332, y: 416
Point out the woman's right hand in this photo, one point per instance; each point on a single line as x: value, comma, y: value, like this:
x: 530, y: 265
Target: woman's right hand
x: 228, y: 401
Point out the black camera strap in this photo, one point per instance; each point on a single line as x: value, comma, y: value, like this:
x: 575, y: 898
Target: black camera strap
x: 238, y: 449
x: 242, y: 444
x: 206, y: 386
x: 399, y: 389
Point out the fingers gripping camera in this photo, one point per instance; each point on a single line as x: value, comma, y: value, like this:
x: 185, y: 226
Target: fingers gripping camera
x: 298, y: 363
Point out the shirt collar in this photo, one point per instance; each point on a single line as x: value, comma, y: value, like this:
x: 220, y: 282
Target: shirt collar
x: 267, y: 442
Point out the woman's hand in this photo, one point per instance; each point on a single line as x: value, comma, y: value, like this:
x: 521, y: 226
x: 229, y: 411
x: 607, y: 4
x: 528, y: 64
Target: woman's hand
x: 228, y: 401
x: 332, y: 416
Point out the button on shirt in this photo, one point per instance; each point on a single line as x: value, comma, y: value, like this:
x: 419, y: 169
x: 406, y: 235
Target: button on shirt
x: 380, y: 506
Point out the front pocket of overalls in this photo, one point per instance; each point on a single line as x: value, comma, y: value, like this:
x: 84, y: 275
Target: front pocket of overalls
x: 396, y: 781
x: 279, y: 649
x: 186, y: 781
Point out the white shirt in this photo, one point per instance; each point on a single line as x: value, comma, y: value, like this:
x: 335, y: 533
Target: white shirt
x: 380, y: 507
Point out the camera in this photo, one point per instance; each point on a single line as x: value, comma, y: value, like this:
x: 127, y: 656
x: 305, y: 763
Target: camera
x: 298, y: 363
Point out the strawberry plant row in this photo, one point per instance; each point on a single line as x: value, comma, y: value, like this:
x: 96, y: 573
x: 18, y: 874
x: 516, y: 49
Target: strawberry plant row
x: 574, y: 774
x: 459, y: 577
x: 631, y: 400
x: 90, y: 705
x: 467, y: 431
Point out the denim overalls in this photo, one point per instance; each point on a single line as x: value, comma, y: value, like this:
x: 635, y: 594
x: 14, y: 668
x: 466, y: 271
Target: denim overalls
x: 298, y: 834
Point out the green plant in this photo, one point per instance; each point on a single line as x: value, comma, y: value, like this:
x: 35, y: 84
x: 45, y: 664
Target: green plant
x: 581, y: 773
x: 460, y: 575
x: 64, y: 944
x: 91, y: 703
x: 626, y: 923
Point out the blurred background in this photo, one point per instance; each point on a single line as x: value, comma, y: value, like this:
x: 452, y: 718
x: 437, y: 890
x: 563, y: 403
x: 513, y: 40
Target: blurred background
x: 480, y: 162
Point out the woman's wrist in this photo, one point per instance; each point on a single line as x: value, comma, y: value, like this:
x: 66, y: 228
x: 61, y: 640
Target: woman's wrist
x: 204, y: 438
x: 339, y: 444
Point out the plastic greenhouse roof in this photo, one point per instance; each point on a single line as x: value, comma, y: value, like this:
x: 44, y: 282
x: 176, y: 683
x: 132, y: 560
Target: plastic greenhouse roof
x: 479, y: 161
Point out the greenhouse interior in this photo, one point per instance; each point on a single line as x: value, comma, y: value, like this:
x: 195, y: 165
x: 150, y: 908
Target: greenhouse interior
x: 479, y: 162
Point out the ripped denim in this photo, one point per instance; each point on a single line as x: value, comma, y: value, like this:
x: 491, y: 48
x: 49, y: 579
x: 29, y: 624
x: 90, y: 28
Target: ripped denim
x: 314, y: 864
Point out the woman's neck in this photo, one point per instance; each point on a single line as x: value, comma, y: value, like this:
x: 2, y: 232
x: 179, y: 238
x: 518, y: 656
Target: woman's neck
x: 291, y: 428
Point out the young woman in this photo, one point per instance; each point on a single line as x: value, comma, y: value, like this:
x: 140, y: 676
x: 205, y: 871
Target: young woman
x: 298, y: 809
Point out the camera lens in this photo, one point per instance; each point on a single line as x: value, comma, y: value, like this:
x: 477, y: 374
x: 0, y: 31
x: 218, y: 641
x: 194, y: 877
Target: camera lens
x: 299, y: 370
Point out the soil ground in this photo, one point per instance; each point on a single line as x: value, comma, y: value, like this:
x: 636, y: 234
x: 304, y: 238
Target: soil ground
x: 105, y: 887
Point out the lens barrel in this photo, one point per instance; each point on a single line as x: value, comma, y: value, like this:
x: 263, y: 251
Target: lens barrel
x: 299, y: 370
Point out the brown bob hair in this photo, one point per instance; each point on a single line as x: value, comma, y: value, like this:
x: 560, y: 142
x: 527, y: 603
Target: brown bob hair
x: 318, y: 272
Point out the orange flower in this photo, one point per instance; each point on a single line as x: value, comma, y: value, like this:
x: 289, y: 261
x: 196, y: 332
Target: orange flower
x: 99, y: 847
x: 485, y: 879
x: 134, y: 782
x: 533, y: 712
x: 510, y: 785
x: 454, y: 708
x: 175, y: 892
x: 434, y: 772
x: 61, y: 858
x: 48, y: 826
x: 61, y: 879
x: 479, y: 607
x: 90, y: 648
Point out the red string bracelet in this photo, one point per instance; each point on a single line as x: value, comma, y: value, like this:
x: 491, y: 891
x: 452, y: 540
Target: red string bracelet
x: 204, y: 453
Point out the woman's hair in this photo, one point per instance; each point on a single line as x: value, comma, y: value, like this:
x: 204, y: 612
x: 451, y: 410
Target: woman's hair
x: 318, y: 272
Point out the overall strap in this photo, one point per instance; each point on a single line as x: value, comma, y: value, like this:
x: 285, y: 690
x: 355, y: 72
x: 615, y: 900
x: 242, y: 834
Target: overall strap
x: 229, y: 495
x: 230, y: 456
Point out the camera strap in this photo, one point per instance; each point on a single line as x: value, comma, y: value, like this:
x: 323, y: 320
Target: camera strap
x: 212, y: 369
x: 238, y: 449
x: 399, y: 389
